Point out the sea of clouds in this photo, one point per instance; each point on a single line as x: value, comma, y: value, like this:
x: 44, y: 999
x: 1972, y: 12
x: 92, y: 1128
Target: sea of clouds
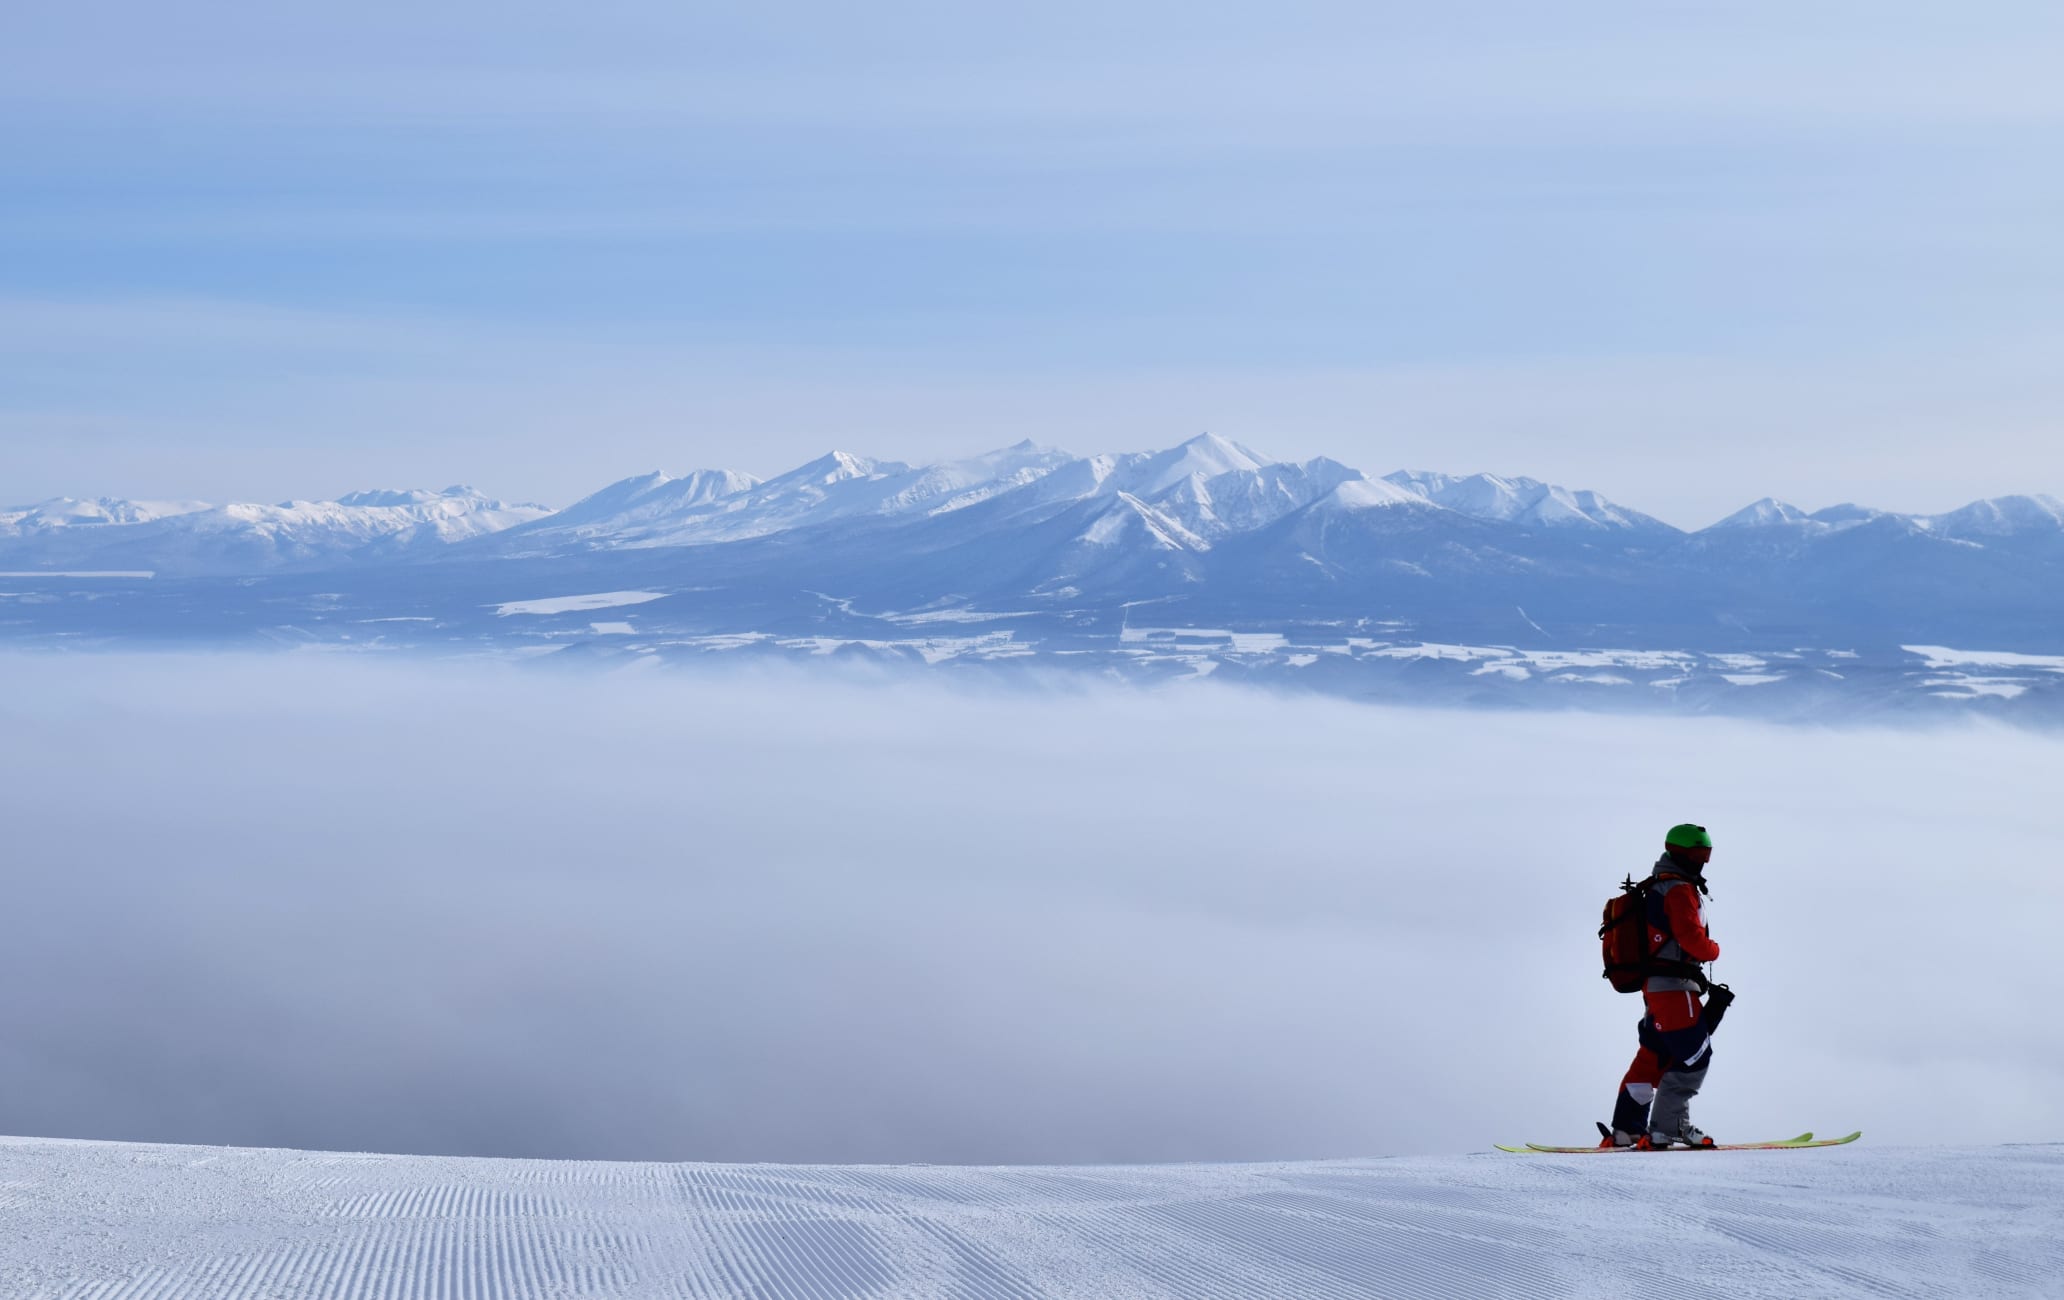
x: 319, y: 901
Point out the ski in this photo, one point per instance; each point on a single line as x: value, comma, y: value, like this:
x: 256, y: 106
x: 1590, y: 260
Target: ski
x: 1801, y: 1142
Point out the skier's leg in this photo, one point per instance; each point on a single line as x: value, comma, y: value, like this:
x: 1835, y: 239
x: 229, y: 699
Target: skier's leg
x: 1630, y: 1107
x: 1689, y: 1055
x: 1638, y: 1086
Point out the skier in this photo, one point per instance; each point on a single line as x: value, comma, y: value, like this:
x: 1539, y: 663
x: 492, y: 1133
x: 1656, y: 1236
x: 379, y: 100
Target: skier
x: 1654, y: 1104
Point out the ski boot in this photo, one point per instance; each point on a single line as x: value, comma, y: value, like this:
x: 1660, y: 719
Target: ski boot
x: 1688, y: 1136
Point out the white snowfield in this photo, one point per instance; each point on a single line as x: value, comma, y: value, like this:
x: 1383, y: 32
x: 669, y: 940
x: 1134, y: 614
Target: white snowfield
x: 577, y: 604
x: 117, y: 1221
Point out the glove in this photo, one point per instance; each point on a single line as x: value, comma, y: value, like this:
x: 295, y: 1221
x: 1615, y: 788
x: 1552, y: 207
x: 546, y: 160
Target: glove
x: 1718, y: 999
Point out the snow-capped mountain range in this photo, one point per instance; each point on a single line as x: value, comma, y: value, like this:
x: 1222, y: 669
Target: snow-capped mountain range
x: 1200, y: 557
x: 193, y: 537
x: 1188, y: 498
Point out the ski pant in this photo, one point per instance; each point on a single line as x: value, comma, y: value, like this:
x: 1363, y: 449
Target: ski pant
x: 1668, y: 1070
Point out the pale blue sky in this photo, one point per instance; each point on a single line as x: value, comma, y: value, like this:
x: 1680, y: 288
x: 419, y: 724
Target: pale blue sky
x: 1683, y: 254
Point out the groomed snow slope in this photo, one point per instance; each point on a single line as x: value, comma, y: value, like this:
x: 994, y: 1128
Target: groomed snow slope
x: 114, y: 1221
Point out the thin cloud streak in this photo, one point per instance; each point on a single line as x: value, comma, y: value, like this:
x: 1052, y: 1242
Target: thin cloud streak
x: 1321, y: 69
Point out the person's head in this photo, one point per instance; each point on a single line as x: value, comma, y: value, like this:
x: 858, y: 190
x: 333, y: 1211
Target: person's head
x: 1689, y: 846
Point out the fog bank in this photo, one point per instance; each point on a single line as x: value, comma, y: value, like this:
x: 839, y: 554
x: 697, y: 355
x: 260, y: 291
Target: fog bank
x: 326, y: 902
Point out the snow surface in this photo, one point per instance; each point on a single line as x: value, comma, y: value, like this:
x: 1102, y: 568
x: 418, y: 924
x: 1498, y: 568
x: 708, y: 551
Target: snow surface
x: 1942, y: 656
x: 454, y: 514
x: 720, y: 505
x: 120, y: 1221
x: 1766, y: 513
x: 576, y: 604
x: 69, y: 512
x: 2003, y: 517
x: 1369, y: 494
x: 1993, y: 517
x: 1973, y: 687
x: 1519, y: 500
x: 194, y: 537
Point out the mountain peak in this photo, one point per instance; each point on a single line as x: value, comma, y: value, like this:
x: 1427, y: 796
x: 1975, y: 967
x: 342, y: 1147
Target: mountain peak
x: 2002, y: 517
x: 1500, y: 499
x: 1766, y: 513
x: 1370, y: 494
x: 1846, y: 513
x: 837, y: 467
x: 1205, y: 456
x: 1216, y: 455
x: 72, y: 512
x: 1220, y: 446
x: 407, y: 496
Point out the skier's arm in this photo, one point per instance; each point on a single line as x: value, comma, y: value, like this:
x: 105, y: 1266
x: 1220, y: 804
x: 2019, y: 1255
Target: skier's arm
x: 1685, y: 926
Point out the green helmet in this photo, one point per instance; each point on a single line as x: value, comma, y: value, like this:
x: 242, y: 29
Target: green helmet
x: 1684, y: 835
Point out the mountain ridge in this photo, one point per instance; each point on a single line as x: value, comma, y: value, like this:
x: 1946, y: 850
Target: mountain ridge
x: 1202, y: 558
x: 1204, y: 475
x: 1199, y: 493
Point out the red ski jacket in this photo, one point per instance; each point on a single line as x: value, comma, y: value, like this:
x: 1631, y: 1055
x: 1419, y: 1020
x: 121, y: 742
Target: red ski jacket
x: 1676, y: 928
x: 1672, y: 1001
x: 1687, y: 927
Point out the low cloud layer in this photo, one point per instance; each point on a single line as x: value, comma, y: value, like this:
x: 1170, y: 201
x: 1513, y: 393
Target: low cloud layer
x: 328, y: 903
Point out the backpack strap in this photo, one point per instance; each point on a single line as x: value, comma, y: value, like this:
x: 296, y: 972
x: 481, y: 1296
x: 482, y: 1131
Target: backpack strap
x: 1639, y: 892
